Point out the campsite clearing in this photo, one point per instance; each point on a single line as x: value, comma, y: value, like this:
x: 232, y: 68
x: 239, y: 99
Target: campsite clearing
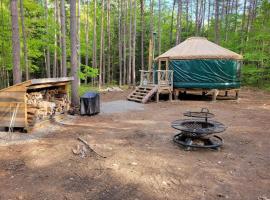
x: 141, y: 160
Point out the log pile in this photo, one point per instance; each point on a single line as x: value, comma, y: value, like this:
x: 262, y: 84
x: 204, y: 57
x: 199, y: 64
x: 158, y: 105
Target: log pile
x: 44, y: 104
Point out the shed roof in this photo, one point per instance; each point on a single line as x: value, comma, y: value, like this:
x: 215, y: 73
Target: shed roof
x: 199, y: 48
x: 41, y: 81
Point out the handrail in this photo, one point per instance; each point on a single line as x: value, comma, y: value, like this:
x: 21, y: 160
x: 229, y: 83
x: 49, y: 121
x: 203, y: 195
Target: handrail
x: 164, y: 78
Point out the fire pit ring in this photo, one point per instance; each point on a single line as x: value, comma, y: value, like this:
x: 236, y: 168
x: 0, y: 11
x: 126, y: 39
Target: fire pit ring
x: 197, y: 132
x: 198, y: 127
x: 183, y: 140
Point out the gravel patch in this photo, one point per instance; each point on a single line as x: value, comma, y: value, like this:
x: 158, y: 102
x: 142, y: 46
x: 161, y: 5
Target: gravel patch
x: 120, y: 106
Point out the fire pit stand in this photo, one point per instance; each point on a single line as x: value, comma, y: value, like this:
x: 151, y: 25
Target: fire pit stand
x: 198, y: 131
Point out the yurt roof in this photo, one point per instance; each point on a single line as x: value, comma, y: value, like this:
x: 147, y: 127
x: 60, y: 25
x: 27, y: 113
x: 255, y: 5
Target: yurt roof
x: 199, y: 48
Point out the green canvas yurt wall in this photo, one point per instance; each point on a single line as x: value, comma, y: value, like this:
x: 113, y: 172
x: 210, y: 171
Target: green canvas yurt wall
x: 199, y: 63
x: 208, y: 74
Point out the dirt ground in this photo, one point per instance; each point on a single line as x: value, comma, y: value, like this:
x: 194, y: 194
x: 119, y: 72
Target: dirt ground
x: 141, y: 160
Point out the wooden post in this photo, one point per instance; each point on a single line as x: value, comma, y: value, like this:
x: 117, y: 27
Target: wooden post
x: 150, y: 56
x: 236, y: 94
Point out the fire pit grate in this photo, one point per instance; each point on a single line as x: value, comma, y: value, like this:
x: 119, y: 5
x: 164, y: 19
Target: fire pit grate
x: 196, y: 132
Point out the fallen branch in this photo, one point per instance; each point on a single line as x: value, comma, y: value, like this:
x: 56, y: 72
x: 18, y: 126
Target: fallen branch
x: 89, y: 147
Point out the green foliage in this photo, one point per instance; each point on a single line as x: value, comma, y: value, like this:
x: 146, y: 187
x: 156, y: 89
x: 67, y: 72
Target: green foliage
x: 88, y: 72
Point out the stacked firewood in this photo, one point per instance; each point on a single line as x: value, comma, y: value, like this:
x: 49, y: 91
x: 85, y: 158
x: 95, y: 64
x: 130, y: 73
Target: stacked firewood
x: 45, y: 103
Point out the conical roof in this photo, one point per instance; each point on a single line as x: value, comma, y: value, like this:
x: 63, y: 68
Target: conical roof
x: 199, y: 48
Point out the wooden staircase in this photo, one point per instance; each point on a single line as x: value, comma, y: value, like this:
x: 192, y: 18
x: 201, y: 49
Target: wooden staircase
x: 143, y: 94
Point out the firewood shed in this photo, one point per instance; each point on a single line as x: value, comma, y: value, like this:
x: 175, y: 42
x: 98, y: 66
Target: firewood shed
x: 25, y: 104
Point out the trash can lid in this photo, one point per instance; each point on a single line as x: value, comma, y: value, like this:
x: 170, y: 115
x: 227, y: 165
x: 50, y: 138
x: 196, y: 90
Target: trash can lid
x: 90, y: 95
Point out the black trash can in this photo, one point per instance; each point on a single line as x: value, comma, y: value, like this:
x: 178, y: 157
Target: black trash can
x: 90, y: 103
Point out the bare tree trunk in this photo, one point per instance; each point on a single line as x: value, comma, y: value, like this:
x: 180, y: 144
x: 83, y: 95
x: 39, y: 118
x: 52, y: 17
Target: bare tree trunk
x: 172, y: 20
x: 159, y: 27
x: 74, y: 55
x: 101, y: 48
x: 55, y: 38
x: 79, y: 37
x: 217, y: 36
x: 179, y: 26
x: 60, y: 67
x: 109, y: 41
x: 236, y: 15
x: 187, y: 16
x: 129, y: 43
x: 142, y: 34
x: 87, y: 37
x: 48, y: 61
x: 134, y: 46
x: 25, y: 52
x: 120, y: 40
x: 94, y: 59
x: 151, y: 41
x: 197, y: 18
x: 208, y: 17
x: 227, y: 12
x: 15, y: 42
x: 125, y: 45
x: 63, y: 38
x: 203, y: 15
x: 243, y: 25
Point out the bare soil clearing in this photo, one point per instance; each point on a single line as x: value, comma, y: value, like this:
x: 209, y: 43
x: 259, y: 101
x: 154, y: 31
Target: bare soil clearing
x: 142, y: 161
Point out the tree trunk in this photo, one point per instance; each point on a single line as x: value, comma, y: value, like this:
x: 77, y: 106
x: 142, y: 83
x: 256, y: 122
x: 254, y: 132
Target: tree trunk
x: 129, y: 43
x: 74, y: 56
x: 179, y: 28
x: 101, y: 48
x: 134, y: 46
x: 125, y: 45
x: 86, y: 37
x: 48, y: 57
x: 63, y: 39
x: 217, y: 36
x: 197, y: 18
x: 60, y: 67
x: 159, y: 27
x: 15, y: 42
x: 55, y: 38
x: 94, y: 59
x: 120, y: 40
x: 25, y: 52
x: 109, y: 41
x: 187, y: 16
x: 151, y: 41
x: 142, y: 34
x: 79, y: 37
x: 172, y: 20
x: 208, y: 17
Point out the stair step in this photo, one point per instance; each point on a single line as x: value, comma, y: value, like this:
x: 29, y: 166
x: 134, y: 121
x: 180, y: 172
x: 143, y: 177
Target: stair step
x: 140, y: 93
x: 132, y: 99
x: 145, y: 88
x: 136, y: 96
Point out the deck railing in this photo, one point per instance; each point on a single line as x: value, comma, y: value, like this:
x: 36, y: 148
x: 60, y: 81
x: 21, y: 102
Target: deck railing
x: 162, y: 78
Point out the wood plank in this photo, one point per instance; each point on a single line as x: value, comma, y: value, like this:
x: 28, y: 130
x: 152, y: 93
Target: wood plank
x: 42, y: 86
x: 12, y: 96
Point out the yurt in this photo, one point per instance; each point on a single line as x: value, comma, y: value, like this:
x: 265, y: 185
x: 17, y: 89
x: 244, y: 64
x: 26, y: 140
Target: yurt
x: 198, y: 63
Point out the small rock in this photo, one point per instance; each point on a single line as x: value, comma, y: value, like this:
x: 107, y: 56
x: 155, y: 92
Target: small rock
x: 222, y: 195
x: 20, y: 197
x: 134, y: 163
x: 219, y: 162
